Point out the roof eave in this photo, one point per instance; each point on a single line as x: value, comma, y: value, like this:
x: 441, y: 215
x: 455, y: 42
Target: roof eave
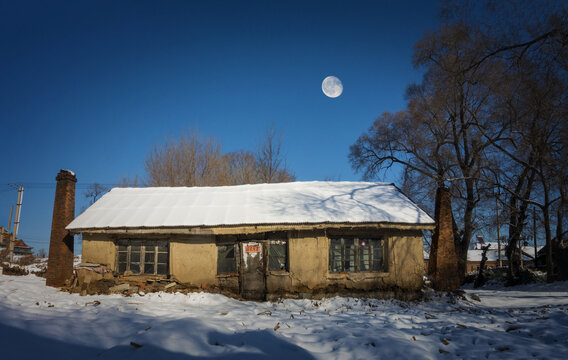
x: 213, y: 229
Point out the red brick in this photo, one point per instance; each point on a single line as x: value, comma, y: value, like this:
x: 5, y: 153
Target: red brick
x: 443, y: 263
x: 60, y: 262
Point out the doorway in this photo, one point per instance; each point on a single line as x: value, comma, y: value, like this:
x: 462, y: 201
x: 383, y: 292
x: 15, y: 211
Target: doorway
x: 253, y: 277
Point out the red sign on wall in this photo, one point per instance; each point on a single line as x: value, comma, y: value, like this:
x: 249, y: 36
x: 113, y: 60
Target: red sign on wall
x: 252, y: 248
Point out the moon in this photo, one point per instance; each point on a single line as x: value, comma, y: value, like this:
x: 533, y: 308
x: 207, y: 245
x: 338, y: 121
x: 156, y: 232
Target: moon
x: 332, y: 87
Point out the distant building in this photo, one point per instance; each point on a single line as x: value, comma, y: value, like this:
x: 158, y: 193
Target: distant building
x: 475, y: 253
x: 559, y: 256
x: 20, y: 247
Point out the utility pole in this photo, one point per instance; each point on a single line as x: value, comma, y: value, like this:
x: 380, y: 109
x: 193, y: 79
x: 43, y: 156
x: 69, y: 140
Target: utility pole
x: 10, y: 221
x: 498, y: 232
x: 16, y: 222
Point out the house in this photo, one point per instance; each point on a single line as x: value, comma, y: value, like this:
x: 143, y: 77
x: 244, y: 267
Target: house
x: 475, y: 253
x: 20, y: 247
x: 264, y: 240
x: 4, y: 235
x: 559, y: 256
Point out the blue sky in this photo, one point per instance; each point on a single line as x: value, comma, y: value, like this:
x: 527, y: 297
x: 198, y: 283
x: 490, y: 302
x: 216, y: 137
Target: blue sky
x: 92, y: 85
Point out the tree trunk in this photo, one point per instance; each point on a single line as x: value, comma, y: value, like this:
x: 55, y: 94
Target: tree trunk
x: 480, y: 279
x: 463, y: 239
x: 518, y: 207
x: 514, y: 235
x: 548, y: 233
x: 461, y: 252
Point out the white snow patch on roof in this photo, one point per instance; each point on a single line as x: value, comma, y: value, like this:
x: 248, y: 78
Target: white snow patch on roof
x: 283, y: 203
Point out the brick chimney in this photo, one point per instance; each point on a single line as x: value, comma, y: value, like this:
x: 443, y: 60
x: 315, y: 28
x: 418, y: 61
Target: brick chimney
x: 60, y: 261
x: 443, y: 262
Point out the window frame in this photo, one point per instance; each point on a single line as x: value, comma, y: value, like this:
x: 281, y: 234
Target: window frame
x: 286, y: 256
x: 236, y: 258
x: 352, y: 255
x: 152, y: 247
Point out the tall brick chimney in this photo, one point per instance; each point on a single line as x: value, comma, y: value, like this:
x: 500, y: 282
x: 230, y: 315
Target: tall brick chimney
x: 60, y: 261
x: 443, y: 262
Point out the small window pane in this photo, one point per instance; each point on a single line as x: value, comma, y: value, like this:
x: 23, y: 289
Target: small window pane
x: 226, y: 259
x: 277, y: 256
x: 377, y: 255
x: 122, y: 257
x: 275, y: 263
x: 149, y: 257
x: 376, y: 243
x: 162, y: 269
x: 122, y: 267
x: 162, y: 257
x: 335, y: 255
x: 349, y: 255
x: 148, y: 268
x: 123, y: 243
x: 134, y: 257
x: 135, y: 268
x: 364, y: 254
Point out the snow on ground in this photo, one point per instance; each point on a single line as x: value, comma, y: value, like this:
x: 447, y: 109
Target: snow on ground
x: 41, y: 322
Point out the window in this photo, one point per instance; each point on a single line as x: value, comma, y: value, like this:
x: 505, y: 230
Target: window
x: 278, y: 255
x: 148, y: 257
x: 351, y: 254
x: 227, y: 259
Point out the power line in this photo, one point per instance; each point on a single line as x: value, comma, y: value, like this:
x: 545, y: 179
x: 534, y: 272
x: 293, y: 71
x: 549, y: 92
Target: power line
x: 40, y: 185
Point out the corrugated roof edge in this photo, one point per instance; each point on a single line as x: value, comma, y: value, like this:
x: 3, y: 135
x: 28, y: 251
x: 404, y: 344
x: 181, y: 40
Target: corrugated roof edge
x: 393, y: 224
x: 244, y: 185
x: 414, y: 202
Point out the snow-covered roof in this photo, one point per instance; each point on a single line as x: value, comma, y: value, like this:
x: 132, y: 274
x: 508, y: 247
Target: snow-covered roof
x: 283, y: 203
x: 493, y: 253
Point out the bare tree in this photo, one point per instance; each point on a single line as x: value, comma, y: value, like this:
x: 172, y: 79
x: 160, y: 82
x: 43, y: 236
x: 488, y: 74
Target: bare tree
x: 127, y: 181
x: 241, y: 168
x: 434, y: 139
x: 193, y: 160
x: 271, y: 166
x: 529, y: 104
x: 95, y: 191
x: 485, y: 116
x: 188, y: 161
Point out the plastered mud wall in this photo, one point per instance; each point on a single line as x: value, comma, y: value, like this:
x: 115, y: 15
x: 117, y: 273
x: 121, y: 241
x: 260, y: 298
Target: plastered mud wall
x: 193, y: 261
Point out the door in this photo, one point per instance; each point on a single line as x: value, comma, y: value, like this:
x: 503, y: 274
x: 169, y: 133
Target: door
x: 253, y: 285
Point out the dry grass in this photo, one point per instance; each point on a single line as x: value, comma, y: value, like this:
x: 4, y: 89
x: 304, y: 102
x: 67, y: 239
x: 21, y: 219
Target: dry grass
x: 26, y: 260
x: 13, y: 270
x: 4, y: 255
